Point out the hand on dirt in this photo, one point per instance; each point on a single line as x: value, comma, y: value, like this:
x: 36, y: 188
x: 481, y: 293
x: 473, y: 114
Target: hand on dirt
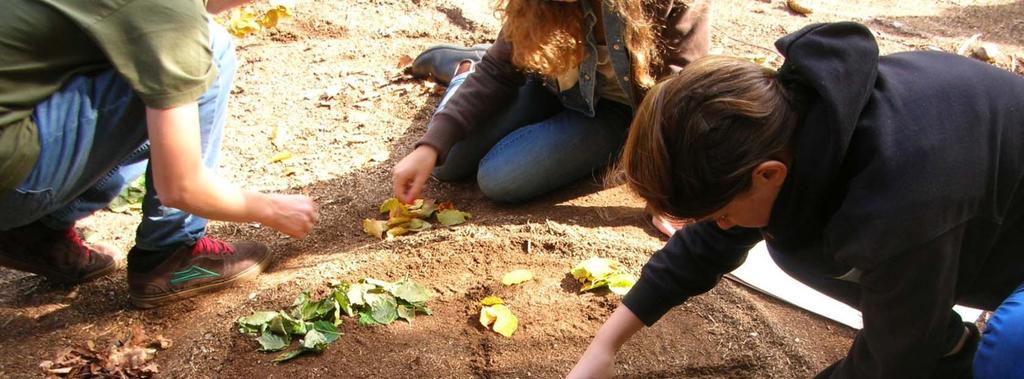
x: 293, y: 215
x: 411, y: 173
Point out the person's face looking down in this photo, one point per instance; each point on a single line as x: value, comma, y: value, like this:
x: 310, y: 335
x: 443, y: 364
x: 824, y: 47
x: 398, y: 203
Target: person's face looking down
x: 753, y: 208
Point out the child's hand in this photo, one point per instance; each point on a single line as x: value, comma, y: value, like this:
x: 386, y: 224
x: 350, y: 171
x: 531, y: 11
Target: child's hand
x: 411, y: 173
x: 596, y: 362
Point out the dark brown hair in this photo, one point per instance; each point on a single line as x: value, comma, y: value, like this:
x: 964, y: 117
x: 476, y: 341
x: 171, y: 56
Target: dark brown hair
x: 698, y: 136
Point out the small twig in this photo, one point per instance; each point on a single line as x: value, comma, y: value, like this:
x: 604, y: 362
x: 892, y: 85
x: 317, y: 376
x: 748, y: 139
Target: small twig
x: 748, y: 43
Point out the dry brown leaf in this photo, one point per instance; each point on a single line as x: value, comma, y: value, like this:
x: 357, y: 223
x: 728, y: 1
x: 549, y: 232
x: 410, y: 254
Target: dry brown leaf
x: 799, y: 8
x: 403, y: 61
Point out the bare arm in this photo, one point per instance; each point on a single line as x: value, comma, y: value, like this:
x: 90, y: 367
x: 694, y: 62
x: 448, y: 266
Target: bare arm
x: 183, y: 182
x: 217, y: 6
x: 599, y: 359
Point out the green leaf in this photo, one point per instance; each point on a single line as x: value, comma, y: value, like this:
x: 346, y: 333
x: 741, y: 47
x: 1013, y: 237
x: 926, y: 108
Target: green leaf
x: 366, y: 319
x: 417, y: 225
x: 289, y: 355
x: 284, y: 324
x: 377, y: 283
x: 452, y: 217
x: 423, y: 208
x: 341, y: 297
x: 271, y: 341
x: 409, y: 291
x: 384, y: 310
x: 355, y: 293
x: 256, y: 322
x: 406, y: 313
x: 314, y: 341
x: 328, y: 330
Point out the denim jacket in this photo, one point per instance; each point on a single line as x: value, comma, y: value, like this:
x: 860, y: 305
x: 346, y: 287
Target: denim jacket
x: 581, y: 97
x: 684, y: 36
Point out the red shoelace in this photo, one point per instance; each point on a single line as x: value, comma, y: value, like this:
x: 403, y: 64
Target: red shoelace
x: 71, y: 235
x: 207, y: 245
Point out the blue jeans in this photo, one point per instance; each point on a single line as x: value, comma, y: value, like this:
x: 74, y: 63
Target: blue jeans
x: 535, y: 145
x: 1001, y: 350
x: 94, y: 142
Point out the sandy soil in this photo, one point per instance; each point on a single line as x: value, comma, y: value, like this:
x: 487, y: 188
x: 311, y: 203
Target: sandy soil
x: 327, y: 78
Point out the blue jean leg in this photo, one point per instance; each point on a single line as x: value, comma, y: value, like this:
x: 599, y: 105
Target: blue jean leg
x: 164, y: 227
x: 94, y: 142
x: 1001, y: 350
x: 531, y: 104
x: 541, y: 157
x: 85, y: 130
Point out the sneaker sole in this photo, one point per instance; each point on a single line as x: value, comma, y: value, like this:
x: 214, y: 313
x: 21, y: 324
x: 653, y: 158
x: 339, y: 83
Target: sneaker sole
x: 147, y: 302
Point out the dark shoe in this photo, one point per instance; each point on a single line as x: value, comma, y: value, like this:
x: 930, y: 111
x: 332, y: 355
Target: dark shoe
x: 58, y: 255
x: 187, y: 271
x: 441, y: 61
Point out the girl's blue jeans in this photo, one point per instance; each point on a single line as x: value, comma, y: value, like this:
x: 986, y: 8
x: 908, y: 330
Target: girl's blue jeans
x: 535, y: 145
x: 94, y: 142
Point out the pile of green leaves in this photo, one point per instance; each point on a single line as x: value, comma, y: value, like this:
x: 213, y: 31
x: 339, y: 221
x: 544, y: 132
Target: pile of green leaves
x: 130, y: 199
x: 407, y: 218
x: 316, y: 322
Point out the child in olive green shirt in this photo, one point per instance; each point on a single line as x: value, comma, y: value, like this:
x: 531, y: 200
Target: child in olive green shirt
x: 94, y: 93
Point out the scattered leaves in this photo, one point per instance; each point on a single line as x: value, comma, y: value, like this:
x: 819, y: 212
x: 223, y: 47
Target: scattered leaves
x: 243, y: 21
x: 130, y: 198
x: 516, y: 276
x: 128, y: 358
x: 316, y: 322
x: 281, y: 156
x: 497, y: 316
x: 603, y: 272
x: 410, y: 218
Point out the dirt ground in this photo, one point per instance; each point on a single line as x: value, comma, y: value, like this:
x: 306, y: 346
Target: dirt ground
x: 326, y: 78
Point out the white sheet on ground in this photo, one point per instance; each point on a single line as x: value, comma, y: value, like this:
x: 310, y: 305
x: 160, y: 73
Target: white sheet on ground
x: 760, y: 272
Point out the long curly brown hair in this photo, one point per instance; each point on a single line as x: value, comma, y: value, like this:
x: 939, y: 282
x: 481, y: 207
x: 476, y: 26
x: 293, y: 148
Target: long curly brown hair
x: 547, y: 36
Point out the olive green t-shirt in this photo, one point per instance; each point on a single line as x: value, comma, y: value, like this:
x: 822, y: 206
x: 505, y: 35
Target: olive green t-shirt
x: 160, y: 47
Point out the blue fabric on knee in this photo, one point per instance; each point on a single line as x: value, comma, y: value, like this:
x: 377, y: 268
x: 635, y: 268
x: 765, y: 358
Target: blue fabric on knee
x: 1001, y: 351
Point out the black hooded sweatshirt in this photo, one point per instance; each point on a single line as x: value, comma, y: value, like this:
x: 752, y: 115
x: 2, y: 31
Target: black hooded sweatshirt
x: 905, y: 179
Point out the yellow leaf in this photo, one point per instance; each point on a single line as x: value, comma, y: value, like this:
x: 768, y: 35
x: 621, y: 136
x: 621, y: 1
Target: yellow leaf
x: 274, y: 16
x: 594, y: 269
x: 281, y: 156
x: 398, y: 221
x: 491, y: 300
x: 397, y: 231
x: 242, y: 22
x: 505, y: 323
x: 516, y: 277
x: 620, y: 283
x: 374, y: 228
x: 388, y: 205
x: 486, y: 316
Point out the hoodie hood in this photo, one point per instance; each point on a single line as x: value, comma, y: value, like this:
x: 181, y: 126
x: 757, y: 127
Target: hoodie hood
x: 892, y: 151
x: 831, y: 70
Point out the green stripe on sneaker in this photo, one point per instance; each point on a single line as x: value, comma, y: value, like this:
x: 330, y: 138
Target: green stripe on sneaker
x: 191, y: 273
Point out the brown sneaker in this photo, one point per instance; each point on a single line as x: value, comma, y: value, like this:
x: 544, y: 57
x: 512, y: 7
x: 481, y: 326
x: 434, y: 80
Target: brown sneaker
x: 207, y: 266
x: 58, y: 255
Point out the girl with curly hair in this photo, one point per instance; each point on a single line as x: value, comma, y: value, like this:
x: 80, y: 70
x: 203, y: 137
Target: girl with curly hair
x: 552, y: 98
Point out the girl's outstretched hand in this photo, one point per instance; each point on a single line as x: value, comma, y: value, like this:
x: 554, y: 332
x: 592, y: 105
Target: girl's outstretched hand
x: 411, y: 173
x: 596, y: 362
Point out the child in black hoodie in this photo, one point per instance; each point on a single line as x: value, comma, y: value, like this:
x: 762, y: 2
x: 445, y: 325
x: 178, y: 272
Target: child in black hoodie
x: 890, y: 183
